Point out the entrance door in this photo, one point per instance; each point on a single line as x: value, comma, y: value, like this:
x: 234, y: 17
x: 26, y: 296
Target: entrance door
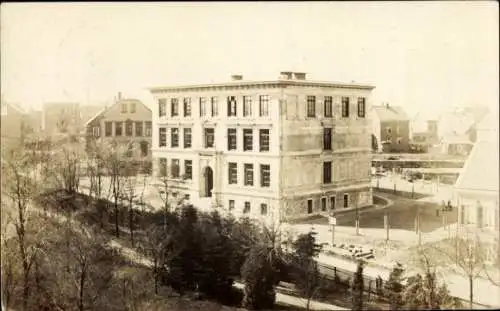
x: 209, y: 181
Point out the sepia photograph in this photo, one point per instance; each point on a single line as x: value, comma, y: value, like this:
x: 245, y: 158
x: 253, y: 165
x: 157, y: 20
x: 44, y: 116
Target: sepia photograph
x: 234, y: 156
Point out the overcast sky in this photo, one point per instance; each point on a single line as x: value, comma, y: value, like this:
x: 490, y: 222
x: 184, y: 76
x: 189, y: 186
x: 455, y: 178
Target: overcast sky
x: 421, y: 55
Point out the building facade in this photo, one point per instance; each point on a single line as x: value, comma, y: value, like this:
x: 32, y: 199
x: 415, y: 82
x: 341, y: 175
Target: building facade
x: 288, y: 147
x: 13, y: 123
x: 60, y: 117
x: 127, y: 122
x: 391, y: 128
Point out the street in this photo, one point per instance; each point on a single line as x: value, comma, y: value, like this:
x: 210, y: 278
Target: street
x: 401, y: 213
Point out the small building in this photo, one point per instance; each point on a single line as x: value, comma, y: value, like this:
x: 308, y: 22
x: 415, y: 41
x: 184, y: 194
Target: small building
x: 391, y: 129
x: 13, y: 123
x: 477, y: 189
x: 127, y: 122
x: 60, y: 117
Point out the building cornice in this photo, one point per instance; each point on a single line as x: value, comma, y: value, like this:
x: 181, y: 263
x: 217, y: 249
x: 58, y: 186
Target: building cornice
x: 248, y: 85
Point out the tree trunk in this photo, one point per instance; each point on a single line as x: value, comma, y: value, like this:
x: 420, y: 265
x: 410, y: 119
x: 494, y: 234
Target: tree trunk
x: 155, y: 271
x: 82, y: 284
x: 117, y: 227
x: 131, y: 223
x: 471, y: 291
x: 308, y: 304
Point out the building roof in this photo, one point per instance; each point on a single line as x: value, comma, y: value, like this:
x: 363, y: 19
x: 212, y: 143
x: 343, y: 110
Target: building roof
x: 480, y: 171
x: 127, y: 100
x: 246, y: 83
x: 391, y: 113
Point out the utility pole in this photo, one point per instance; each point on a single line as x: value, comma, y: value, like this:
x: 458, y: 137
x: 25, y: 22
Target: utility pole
x: 386, y: 225
x: 333, y: 222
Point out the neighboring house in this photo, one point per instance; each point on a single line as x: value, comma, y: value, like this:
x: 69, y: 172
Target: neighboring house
x: 60, y: 117
x: 13, y: 123
x: 424, y: 139
x: 87, y: 112
x: 391, y: 128
x: 477, y: 189
x: 288, y: 146
x: 127, y: 122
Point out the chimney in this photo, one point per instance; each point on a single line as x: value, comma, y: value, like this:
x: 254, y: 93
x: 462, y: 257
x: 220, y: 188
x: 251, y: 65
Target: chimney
x: 236, y: 77
x: 119, y: 95
x: 286, y: 75
x: 299, y: 75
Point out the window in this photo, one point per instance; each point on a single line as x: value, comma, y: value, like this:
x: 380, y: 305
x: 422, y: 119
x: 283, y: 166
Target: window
x: 232, y: 173
x: 162, y: 107
x: 247, y: 208
x: 96, y: 131
x: 247, y: 139
x: 215, y: 108
x: 311, y: 106
x: 118, y: 129
x: 163, y: 167
x: 263, y: 209
x: 247, y: 106
x: 138, y: 128
x: 332, y: 202
x: 209, y: 138
x: 162, y: 142
x: 188, y: 169
x: 389, y: 130
x: 203, y: 106
x: 361, y: 107
x: 187, y: 106
x: 231, y: 106
x: 327, y: 172
x: 129, y: 130
x: 124, y: 108
x: 132, y: 107
x: 248, y: 181
x: 108, y: 128
x: 346, y: 200
x: 399, y: 140
x: 187, y: 138
x: 231, y: 205
x: 323, y: 204
x: 328, y: 109
x: 148, y: 128
x: 174, y: 107
x: 264, y: 105
x: 231, y: 139
x: 174, y: 137
x: 175, y: 168
x: 263, y: 140
x: 345, y: 107
x: 327, y: 138
x: 309, y: 206
x: 265, y: 175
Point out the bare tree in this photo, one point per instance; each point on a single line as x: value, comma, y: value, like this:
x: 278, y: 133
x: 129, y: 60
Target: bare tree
x: 465, y: 253
x: 131, y: 196
x: 22, y: 182
x: 114, y: 161
x: 68, y: 168
x: 164, y: 175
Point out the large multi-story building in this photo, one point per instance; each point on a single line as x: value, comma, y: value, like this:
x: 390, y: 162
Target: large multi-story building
x: 287, y: 147
x: 60, y: 117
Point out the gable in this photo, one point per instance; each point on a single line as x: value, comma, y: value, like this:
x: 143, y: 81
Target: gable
x: 115, y: 112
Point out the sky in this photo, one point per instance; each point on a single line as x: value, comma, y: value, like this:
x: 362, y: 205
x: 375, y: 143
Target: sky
x: 420, y: 55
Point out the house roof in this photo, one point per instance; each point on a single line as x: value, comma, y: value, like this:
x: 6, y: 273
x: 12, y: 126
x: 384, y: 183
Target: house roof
x: 128, y: 100
x: 391, y: 113
x: 480, y: 171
